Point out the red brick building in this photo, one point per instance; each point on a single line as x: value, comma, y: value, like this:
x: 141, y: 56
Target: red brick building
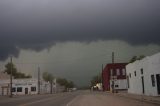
x: 117, y: 70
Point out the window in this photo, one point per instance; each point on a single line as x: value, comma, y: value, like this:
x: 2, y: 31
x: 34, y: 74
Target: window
x: 134, y: 73
x: 111, y: 72
x: 130, y: 75
x: 153, y: 80
x: 141, y: 70
x: 118, y: 72
x: 33, y: 88
x: 19, y: 89
x: 123, y: 72
x: 13, y: 89
x: 116, y: 86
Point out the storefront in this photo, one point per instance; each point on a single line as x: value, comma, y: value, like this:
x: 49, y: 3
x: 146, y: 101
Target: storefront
x: 23, y: 87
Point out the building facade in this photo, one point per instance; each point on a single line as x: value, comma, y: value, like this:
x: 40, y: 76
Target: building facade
x: 144, y: 76
x: 5, y: 87
x: 4, y: 76
x: 114, y: 77
x: 24, y: 86
x: 27, y: 86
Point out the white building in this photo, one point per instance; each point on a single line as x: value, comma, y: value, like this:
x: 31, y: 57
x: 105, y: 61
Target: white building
x: 27, y: 86
x: 23, y: 86
x: 144, y: 76
x: 59, y: 88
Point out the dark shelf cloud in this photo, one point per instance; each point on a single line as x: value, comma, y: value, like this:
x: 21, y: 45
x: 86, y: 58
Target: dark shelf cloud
x: 39, y: 24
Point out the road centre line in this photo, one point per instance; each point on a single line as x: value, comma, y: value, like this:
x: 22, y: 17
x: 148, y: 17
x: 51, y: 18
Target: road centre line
x: 35, y: 102
x: 41, y: 100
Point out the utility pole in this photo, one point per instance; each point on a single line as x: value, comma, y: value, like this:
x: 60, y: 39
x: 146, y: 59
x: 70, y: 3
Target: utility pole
x: 11, y: 78
x: 113, y: 73
x: 112, y: 57
x: 102, y: 77
x: 38, y: 80
x: 102, y: 74
x: 51, y: 86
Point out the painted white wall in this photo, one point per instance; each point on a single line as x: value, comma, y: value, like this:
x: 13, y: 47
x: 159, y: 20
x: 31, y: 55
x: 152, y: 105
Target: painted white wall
x: 122, y: 84
x: 45, y: 87
x: 28, y: 83
x: 25, y: 83
x: 151, y: 66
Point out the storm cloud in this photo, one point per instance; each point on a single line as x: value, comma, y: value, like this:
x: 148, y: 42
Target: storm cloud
x: 39, y: 24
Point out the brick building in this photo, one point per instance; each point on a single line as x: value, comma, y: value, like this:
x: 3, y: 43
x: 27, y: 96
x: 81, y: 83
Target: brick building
x: 114, y: 77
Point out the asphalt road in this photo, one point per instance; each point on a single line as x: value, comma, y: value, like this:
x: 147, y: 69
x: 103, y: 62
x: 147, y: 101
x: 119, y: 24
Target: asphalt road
x: 106, y: 99
x: 60, y: 99
x: 78, y: 98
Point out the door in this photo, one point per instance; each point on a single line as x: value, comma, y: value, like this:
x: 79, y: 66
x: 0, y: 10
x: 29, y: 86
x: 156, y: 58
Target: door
x: 158, y: 83
x: 26, y: 90
x: 128, y: 81
x: 142, y: 84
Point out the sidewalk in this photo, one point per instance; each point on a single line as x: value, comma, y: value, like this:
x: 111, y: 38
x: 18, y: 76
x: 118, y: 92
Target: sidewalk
x: 149, y: 99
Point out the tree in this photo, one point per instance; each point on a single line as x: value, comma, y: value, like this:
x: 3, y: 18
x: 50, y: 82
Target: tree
x: 15, y: 73
x: 49, y: 78
x: 96, y: 79
x: 8, y: 69
x: 141, y: 57
x: 134, y: 58
x: 70, y: 84
x: 64, y: 82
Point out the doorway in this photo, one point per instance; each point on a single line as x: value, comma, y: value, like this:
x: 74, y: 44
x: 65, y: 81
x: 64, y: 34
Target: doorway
x: 142, y: 78
x: 158, y: 83
x: 26, y: 90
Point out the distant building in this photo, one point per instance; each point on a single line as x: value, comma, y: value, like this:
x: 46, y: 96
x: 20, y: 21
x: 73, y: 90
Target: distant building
x: 60, y: 88
x: 144, y: 76
x: 24, y: 86
x: 27, y: 86
x: 114, y: 77
x: 4, y: 76
x: 5, y: 86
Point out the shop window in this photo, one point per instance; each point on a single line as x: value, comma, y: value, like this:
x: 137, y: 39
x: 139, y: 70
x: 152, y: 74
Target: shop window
x: 33, y: 88
x: 111, y: 72
x: 118, y: 72
x: 19, y: 89
x: 153, y: 80
x: 116, y: 86
x: 13, y: 89
x: 123, y: 72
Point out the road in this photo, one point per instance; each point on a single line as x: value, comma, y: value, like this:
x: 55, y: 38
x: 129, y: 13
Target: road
x: 79, y: 98
x: 106, y: 99
x: 60, y: 99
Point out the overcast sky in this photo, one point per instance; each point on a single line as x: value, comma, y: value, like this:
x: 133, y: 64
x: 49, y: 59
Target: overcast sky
x: 72, y: 38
